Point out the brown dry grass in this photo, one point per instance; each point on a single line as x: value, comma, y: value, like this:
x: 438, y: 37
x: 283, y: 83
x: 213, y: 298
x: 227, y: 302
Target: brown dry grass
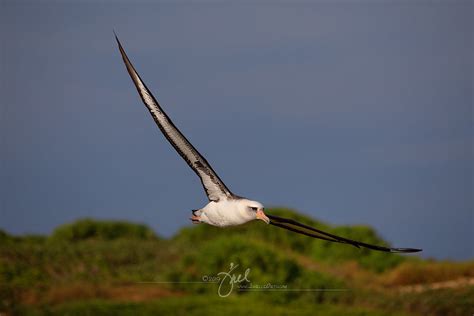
x: 452, y: 284
x: 83, y: 291
x: 412, y: 273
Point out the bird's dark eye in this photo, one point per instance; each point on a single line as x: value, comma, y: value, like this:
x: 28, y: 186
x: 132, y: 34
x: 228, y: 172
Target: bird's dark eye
x: 254, y: 208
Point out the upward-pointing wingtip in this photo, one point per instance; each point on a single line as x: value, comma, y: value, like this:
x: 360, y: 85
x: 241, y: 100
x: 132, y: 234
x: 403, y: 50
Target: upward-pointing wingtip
x: 116, y: 38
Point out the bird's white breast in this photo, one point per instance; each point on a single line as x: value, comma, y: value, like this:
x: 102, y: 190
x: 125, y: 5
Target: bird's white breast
x: 226, y: 213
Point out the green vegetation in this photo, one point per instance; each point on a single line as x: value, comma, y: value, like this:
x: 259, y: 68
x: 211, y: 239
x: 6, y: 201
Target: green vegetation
x: 107, y: 267
x: 91, y: 229
x: 204, y: 306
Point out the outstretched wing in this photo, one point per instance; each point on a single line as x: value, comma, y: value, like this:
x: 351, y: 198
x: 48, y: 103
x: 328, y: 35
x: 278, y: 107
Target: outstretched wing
x: 213, y: 185
x: 300, y: 228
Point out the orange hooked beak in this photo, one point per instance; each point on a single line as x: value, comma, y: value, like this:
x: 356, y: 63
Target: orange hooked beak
x: 261, y: 216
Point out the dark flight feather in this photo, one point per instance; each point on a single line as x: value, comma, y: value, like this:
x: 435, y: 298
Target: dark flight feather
x: 300, y: 228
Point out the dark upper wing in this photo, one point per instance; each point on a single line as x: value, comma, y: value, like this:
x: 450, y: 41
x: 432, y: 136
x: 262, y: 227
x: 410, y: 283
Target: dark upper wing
x: 316, y: 233
x: 213, y: 185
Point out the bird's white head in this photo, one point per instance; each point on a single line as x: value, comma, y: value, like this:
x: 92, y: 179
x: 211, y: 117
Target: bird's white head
x: 255, y: 210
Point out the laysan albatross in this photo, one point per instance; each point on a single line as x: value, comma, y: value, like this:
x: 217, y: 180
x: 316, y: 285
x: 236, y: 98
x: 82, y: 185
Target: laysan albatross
x: 224, y: 207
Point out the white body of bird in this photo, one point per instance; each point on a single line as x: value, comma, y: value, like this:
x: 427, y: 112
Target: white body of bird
x: 229, y: 212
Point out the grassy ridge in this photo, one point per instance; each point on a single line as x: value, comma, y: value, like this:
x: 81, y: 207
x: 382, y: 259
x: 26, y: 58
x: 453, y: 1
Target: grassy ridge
x: 102, y: 267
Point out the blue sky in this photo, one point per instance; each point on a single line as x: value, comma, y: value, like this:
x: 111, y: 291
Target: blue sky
x: 353, y: 113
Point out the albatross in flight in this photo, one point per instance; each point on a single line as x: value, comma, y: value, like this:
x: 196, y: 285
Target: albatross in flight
x: 224, y: 207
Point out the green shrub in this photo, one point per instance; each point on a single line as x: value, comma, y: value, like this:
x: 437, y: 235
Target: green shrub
x: 4, y: 235
x: 107, y: 230
x: 267, y: 266
x: 373, y: 260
